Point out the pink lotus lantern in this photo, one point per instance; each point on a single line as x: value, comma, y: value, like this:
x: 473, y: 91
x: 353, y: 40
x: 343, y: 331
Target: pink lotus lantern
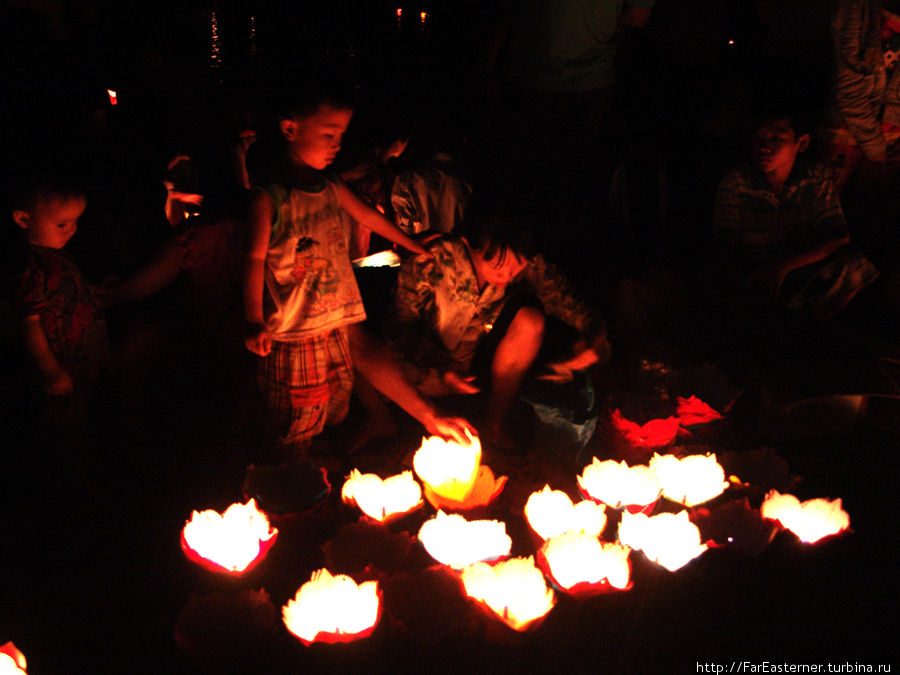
x: 811, y: 520
x: 382, y: 499
x: 515, y: 590
x: 551, y: 513
x: 231, y: 542
x: 448, y: 469
x: 619, y: 485
x: 579, y: 563
x: 12, y: 661
x: 670, y: 540
x: 653, y: 434
x: 333, y: 608
x: 454, y: 541
x: 689, y: 480
x: 693, y: 411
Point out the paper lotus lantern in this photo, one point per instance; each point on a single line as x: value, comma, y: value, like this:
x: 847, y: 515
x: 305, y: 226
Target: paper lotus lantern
x: 485, y: 489
x: 454, y: 541
x: 230, y: 542
x: 12, y: 661
x: 811, y: 520
x: 670, y: 540
x: 382, y: 499
x: 653, y: 434
x: 551, y: 513
x: 689, y: 480
x: 693, y: 411
x: 579, y: 560
x: 515, y: 590
x: 447, y: 468
x: 333, y: 608
x: 617, y: 484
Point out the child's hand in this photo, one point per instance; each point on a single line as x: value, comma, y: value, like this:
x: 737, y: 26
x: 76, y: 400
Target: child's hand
x: 451, y: 428
x: 58, y: 383
x: 459, y: 384
x: 259, y: 341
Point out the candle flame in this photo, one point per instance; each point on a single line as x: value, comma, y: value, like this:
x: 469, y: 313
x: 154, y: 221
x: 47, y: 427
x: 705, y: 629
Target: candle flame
x: 515, y: 590
x: 232, y: 539
x: 670, y: 540
x: 332, y: 604
x: 454, y: 541
x: 12, y: 661
x: 811, y: 520
x: 381, y: 499
x: 551, y: 513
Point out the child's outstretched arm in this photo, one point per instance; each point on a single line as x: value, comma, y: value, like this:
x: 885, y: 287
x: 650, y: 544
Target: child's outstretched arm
x: 262, y: 210
x: 57, y: 381
x: 369, y: 218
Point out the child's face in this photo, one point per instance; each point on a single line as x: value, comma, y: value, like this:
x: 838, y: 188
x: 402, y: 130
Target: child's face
x: 52, y: 222
x: 775, y: 146
x: 315, y: 141
x: 499, y: 270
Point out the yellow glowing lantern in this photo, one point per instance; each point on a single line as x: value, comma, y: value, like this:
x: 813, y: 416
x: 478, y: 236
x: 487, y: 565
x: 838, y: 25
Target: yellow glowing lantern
x: 690, y: 480
x: 619, y: 485
x: 668, y: 539
x: 231, y: 542
x: 578, y: 562
x: 811, y: 520
x: 551, y: 512
x: 515, y: 590
x: 382, y: 499
x: 448, y: 469
x: 333, y: 608
x: 454, y: 541
x: 12, y: 661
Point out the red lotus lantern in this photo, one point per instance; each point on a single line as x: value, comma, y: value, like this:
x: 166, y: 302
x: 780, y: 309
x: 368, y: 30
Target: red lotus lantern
x: 515, y: 590
x: 693, y: 411
x: 619, y: 485
x: 382, y: 499
x: 232, y: 542
x: 670, y: 540
x: 581, y: 564
x: 551, y: 513
x: 689, y: 480
x: 811, y: 520
x: 454, y: 541
x: 12, y: 661
x: 653, y: 434
x: 333, y: 608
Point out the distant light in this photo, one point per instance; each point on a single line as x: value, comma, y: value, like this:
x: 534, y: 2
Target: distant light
x: 113, y: 100
x: 423, y: 16
x: 399, y: 11
x: 731, y: 42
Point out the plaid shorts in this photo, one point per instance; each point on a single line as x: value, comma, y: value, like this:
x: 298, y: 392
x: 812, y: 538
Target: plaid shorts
x: 307, y: 385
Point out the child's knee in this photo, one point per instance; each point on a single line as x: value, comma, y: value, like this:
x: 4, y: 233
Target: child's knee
x: 528, y: 324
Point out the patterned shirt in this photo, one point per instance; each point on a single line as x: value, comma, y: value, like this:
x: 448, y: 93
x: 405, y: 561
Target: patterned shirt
x: 441, y: 295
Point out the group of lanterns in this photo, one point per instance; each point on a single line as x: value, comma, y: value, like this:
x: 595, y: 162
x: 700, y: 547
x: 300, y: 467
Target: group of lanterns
x: 571, y: 556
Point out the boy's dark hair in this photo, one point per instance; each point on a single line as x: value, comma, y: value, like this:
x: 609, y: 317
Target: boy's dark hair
x: 32, y: 187
x: 800, y: 122
x: 499, y: 226
x: 303, y: 97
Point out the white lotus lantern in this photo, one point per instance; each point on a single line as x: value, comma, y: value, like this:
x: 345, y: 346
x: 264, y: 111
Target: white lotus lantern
x: 668, y: 539
x: 333, y: 608
x: 619, y: 485
x: 811, y: 520
x: 454, y: 541
x: 12, y: 661
x: 578, y: 560
x: 382, y: 499
x: 448, y: 468
x: 515, y: 590
x: 233, y: 541
x: 551, y: 512
x: 689, y: 480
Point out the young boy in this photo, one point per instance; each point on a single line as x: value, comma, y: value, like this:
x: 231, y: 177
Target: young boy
x: 781, y: 229
x: 301, y: 298
x: 477, y: 307
x: 62, y: 325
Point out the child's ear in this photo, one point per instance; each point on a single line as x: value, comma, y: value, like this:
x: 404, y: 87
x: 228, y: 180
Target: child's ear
x: 803, y: 143
x: 289, y: 129
x: 21, y: 218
